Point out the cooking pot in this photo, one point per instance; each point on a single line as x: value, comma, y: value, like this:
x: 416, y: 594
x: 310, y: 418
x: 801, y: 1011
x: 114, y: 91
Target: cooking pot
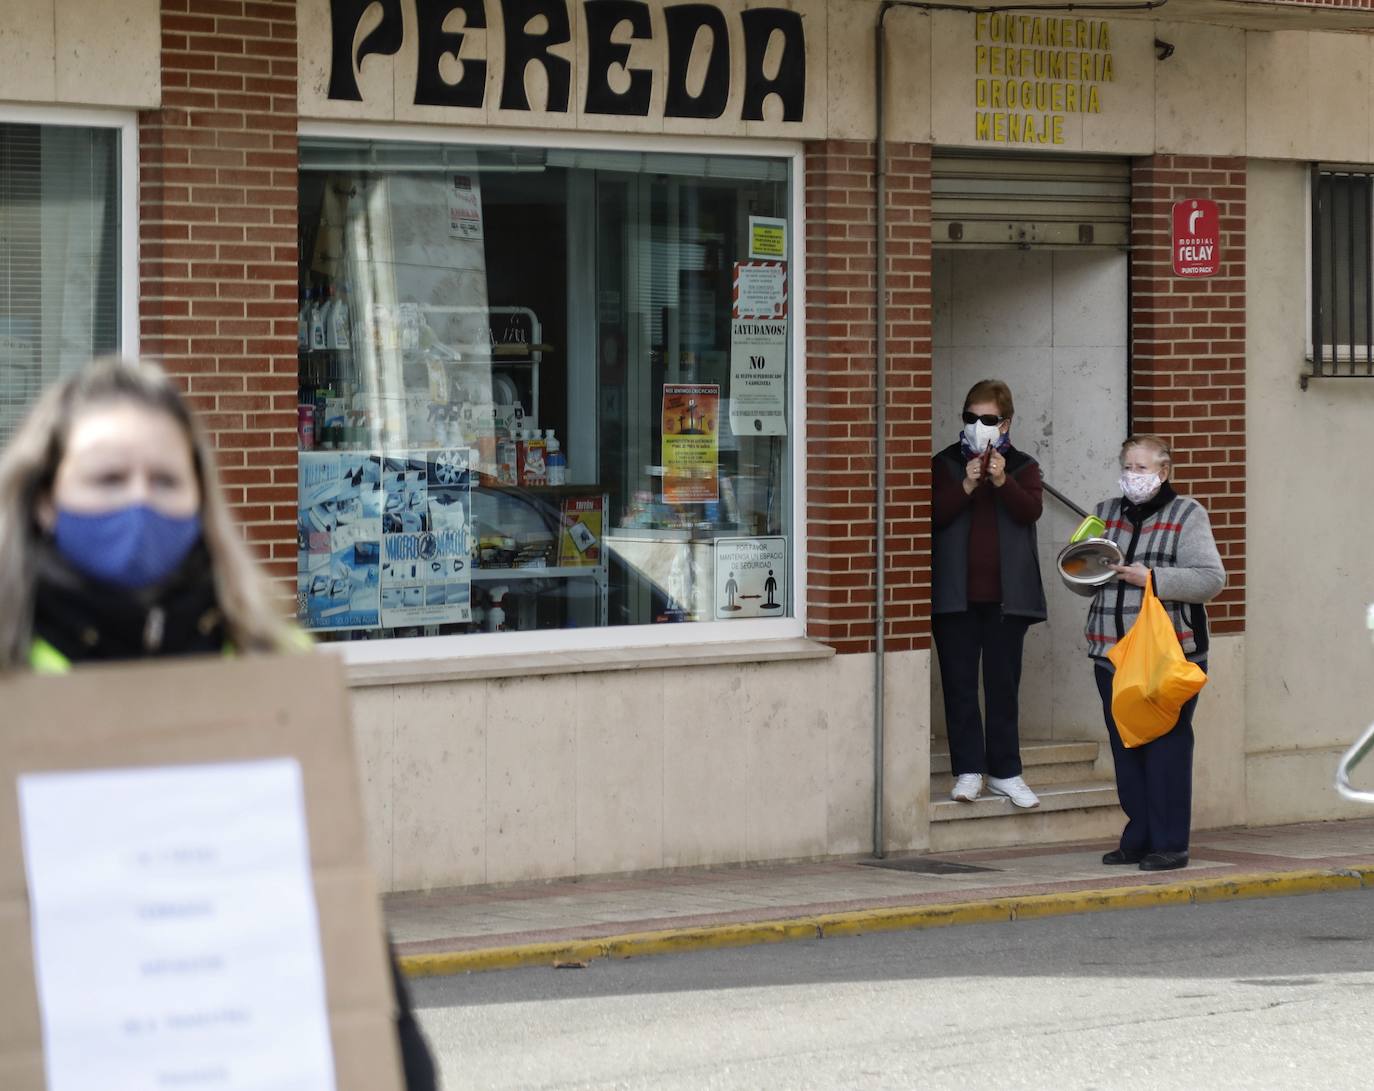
x: 1084, y: 566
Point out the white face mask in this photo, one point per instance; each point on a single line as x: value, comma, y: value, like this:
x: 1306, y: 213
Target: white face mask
x: 1137, y: 488
x: 978, y: 435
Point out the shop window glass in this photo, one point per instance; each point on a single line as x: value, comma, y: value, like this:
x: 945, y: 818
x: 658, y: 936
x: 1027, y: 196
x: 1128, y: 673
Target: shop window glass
x: 59, y: 256
x: 541, y: 389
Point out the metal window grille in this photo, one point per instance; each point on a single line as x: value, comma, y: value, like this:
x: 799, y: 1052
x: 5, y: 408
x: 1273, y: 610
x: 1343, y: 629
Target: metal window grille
x: 1342, y: 273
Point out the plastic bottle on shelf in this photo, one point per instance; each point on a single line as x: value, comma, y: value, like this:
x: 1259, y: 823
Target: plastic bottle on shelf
x: 303, y: 321
x: 317, y: 334
x: 557, y: 462
x: 535, y: 471
x: 336, y: 321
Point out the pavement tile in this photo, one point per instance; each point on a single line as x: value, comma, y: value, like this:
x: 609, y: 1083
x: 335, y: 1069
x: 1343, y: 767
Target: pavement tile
x: 470, y: 919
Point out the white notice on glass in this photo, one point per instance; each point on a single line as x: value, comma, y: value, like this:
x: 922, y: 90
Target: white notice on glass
x: 175, y: 938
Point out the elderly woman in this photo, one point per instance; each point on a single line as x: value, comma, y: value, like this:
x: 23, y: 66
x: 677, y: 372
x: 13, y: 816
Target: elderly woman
x: 986, y: 591
x: 1169, y: 536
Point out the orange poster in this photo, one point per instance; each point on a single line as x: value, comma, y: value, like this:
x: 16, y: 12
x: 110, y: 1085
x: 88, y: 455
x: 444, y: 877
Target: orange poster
x: 691, y: 422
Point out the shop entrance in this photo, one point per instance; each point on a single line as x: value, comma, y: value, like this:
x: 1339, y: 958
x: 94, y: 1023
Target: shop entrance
x: 1030, y: 286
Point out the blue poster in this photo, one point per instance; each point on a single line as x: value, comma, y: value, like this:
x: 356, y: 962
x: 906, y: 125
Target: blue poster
x: 426, y: 538
x: 338, y: 538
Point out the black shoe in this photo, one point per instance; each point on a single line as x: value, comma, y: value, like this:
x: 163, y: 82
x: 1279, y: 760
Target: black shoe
x: 1121, y: 856
x: 1164, y: 861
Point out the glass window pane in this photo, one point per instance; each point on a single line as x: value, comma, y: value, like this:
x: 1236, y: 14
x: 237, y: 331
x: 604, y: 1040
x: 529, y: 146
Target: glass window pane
x: 517, y: 375
x: 59, y: 256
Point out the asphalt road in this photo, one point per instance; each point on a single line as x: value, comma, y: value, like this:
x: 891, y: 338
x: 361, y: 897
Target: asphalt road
x: 1257, y: 994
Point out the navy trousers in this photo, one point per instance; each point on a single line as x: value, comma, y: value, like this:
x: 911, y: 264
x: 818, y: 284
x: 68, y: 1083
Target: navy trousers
x: 961, y: 641
x: 1154, y: 782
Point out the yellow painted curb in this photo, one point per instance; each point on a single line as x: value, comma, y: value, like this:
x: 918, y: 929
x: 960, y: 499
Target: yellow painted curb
x: 889, y: 918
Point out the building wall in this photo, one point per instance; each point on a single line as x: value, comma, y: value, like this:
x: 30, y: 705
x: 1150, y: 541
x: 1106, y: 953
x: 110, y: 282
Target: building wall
x: 510, y: 779
x: 1307, y: 678
x: 217, y: 246
x: 841, y: 346
x: 80, y: 52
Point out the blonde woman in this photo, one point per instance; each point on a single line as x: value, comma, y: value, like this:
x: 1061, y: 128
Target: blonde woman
x: 1168, y: 536
x: 115, y: 541
x: 116, y: 544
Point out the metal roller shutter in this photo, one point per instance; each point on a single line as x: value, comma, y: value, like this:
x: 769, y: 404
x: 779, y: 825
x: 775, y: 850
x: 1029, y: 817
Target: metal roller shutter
x: 1025, y: 200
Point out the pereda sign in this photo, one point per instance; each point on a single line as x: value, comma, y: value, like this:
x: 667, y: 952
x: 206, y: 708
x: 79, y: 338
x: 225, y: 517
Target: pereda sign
x: 531, y: 30
x: 1197, y: 238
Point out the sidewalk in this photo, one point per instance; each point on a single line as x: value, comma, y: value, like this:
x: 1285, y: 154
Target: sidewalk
x: 531, y: 924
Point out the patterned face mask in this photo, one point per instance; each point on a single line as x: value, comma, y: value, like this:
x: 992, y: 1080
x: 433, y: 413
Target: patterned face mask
x: 1137, y: 488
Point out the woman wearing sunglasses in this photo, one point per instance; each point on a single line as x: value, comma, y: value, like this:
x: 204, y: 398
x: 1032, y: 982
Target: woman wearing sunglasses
x: 986, y: 591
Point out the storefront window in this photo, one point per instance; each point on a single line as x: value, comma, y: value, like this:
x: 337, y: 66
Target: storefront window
x: 541, y: 389
x: 59, y: 256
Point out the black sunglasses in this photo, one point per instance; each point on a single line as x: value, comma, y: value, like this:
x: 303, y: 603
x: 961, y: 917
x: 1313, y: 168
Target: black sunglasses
x: 987, y: 418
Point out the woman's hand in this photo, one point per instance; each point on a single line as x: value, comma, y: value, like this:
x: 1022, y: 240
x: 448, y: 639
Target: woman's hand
x: 997, y: 469
x: 973, y: 474
x: 1137, y: 575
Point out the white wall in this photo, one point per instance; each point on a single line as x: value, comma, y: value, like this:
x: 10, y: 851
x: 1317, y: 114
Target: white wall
x: 1309, y: 682
x: 505, y: 780
x: 1052, y: 324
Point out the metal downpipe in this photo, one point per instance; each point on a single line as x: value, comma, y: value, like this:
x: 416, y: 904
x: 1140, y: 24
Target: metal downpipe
x: 880, y: 443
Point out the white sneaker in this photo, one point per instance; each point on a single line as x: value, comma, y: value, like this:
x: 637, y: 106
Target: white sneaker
x: 1016, y: 790
x: 967, y: 787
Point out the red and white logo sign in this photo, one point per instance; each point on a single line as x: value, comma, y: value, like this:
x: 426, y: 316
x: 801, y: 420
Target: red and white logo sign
x: 1197, y: 238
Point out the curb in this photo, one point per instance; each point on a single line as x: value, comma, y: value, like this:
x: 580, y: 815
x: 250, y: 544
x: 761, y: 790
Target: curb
x: 887, y: 919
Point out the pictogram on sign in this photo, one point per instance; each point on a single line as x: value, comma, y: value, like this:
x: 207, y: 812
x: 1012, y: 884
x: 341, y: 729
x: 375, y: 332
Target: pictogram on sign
x: 1196, y: 238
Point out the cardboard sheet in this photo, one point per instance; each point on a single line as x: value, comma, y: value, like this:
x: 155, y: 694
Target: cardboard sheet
x: 265, y: 717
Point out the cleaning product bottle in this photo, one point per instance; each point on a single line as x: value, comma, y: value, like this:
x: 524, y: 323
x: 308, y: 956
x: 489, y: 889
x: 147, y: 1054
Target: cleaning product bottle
x: 336, y: 331
x: 318, y: 341
x: 556, y: 462
x: 505, y: 457
x: 535, y: 468
x: 303, y: 321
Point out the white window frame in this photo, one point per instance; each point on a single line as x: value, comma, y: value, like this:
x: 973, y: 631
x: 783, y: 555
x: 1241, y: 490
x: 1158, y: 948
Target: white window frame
x: 126, y: 123
x: 535, y: 641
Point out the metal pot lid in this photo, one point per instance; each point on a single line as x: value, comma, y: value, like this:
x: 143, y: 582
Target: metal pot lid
x: 1085, y: 566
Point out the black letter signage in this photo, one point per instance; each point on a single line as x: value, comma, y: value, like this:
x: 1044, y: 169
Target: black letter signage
x: 790, y: 82
x: 603, y: 16
x: 524, y: 46
x: 685, y: 24
x: 344, y: 16
x: 431, y: 89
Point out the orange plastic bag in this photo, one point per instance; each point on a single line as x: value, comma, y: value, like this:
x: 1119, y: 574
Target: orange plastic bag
x: 1153, y: 679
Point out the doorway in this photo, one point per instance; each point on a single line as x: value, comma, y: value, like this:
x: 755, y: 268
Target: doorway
x: 1053, y: 324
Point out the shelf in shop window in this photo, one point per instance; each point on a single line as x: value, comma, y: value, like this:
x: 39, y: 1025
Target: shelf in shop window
x: 496, y: 575
x: 592, y: 491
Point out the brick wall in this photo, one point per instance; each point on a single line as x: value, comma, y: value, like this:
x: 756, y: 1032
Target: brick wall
x: 1188, y: 350
x: 841, y: 349
x: 217, y: 245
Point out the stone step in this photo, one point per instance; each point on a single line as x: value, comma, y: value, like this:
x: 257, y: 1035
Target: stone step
x: 1037, y: 776
x: 1033, y: 752
x: 1067, y: 812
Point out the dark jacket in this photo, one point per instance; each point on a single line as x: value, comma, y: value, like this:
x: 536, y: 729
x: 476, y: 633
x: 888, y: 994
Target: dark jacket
x: 1023, y: 594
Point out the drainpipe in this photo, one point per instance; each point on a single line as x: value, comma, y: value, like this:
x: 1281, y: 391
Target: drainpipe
x: 880, y: 443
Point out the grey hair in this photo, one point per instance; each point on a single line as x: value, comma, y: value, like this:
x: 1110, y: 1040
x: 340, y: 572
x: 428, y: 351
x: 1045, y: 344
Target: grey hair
x: 1158, y: 444
x: 28, y: 467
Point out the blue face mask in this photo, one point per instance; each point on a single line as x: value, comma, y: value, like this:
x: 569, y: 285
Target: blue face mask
x: 132, y: 548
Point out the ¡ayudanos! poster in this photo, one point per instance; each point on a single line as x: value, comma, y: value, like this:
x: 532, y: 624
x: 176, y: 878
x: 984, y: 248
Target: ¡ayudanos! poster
x: 691, y: 420
x: 338, y: 537
x: 426, y: 538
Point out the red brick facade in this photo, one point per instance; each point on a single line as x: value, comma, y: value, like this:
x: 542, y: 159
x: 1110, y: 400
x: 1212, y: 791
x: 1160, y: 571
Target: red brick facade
x: 1188, y: 350
x: 217, y: 244
x: 841, y: 349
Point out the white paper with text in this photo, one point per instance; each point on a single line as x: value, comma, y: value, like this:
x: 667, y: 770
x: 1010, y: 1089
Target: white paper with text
x: 175, y: 935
